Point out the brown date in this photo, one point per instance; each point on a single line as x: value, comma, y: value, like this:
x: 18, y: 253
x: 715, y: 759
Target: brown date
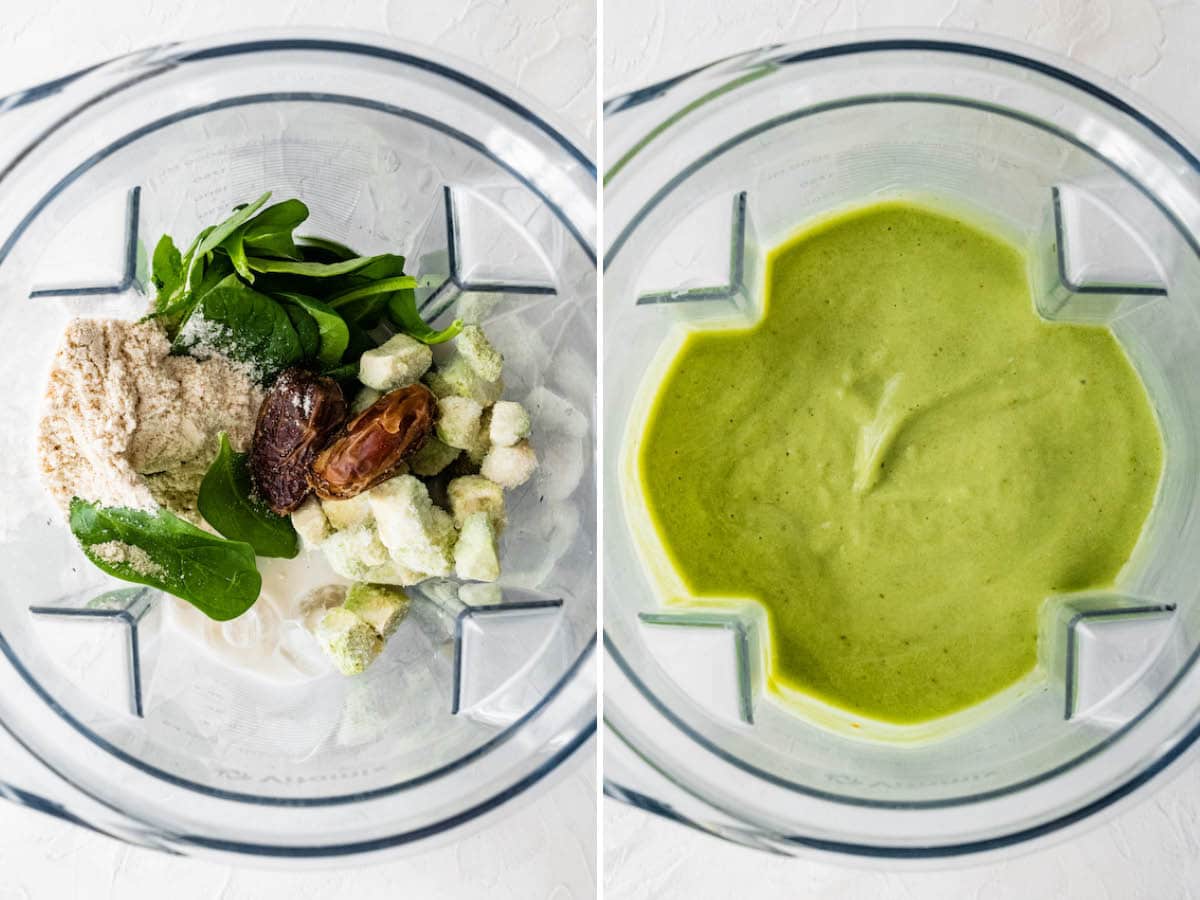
x: 296, y: 419
x: 374, y: 443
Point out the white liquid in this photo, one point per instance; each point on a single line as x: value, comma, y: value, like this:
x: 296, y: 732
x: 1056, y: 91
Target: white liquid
x: 270, y: 640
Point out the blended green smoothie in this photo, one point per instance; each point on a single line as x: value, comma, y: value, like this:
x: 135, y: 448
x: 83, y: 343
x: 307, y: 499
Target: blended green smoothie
x: 900, y: 462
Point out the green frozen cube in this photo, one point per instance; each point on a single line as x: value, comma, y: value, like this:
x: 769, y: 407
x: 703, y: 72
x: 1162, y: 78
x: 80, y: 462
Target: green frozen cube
x: 382, y: 606
x: 348, y: 640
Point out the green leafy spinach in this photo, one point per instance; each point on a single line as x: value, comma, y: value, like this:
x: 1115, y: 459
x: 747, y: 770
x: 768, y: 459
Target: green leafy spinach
x: 320, y: 249
x: 166, y: 265
x: 306, y: 330
x: 217, y: 235
x: 401, y: 306
x: 402, y: 310
x: 333, y: 330
x: 240, y: 323
x: 309, y: 269
x: 270, y: 232
x: 249, y: 288
x: 228, y: 504
x: 159, y: 549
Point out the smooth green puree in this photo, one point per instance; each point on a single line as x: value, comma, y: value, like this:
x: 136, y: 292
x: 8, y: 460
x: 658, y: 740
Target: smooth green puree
x: 900, y: 461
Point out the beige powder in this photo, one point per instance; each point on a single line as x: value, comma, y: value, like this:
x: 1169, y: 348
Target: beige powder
x: 128, y: 424
x: 117, y: 553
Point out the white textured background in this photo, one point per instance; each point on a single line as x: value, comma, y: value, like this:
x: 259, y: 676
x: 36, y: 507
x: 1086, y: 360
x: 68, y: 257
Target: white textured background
x: 1152, y: 850
x: 546, y: 848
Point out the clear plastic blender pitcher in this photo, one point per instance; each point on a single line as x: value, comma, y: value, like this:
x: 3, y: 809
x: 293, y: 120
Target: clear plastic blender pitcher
x: 115, y: 721
x: 707, y: 172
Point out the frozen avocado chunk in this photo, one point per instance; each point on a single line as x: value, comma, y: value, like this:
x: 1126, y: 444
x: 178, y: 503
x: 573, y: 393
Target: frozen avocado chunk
x: 382, y: 606
x: 310, y: 523
x: 397, y: 362
x: 479, y: 353
x: 509, y: 467
x: 473, y: 493
x: 432, y: 458
x: 458, y: 379
x: 419, y: 535
x: 349, y: 641
x: 346, y: 514
x: 458, y: 421
x: 508, y: 424
x: 475, y: 555
x: 355, y: 549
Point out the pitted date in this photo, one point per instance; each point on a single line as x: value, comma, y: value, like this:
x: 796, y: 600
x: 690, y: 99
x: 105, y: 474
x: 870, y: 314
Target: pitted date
x: 374, y: 443
x: 298, y: 416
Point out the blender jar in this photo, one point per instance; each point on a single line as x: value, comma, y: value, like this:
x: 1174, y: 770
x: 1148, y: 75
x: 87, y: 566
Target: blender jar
x: 709, y: 171
x: 112, y: 720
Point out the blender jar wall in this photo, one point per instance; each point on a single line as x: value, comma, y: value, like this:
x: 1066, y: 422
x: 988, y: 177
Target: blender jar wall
x: 494, y: 209
x: 794, y: 135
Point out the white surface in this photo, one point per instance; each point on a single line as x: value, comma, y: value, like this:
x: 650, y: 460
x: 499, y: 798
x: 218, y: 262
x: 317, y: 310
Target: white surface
x: 1151, y: 850
x: 545, y: 849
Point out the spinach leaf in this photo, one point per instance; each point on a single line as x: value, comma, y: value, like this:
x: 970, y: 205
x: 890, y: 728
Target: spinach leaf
x: 360, y: 342
x: 402, y: 308
x: 167, y: 265
x: 175, y: 317
x: 172, y: 302
x: 325, y: 249
x: 237, y: 321
x: 214, y: 273
x: 306, y: 330
x: 228, y: 504
x: 365, y: 311
x: 334, y: 333
x: 345, y: 372
x: 385, y: 265
x: 270, y: 232
x: 309, y: 269
x: 312, y: 300
x: 373, y: 288
x: 235, y: 246
x: 213, y: 237
x: 190, y: 255
x: 161, y: 550
x: 299, y: 280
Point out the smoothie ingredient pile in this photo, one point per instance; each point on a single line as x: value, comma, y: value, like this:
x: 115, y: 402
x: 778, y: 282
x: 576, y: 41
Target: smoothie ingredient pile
x: 283, y: 394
